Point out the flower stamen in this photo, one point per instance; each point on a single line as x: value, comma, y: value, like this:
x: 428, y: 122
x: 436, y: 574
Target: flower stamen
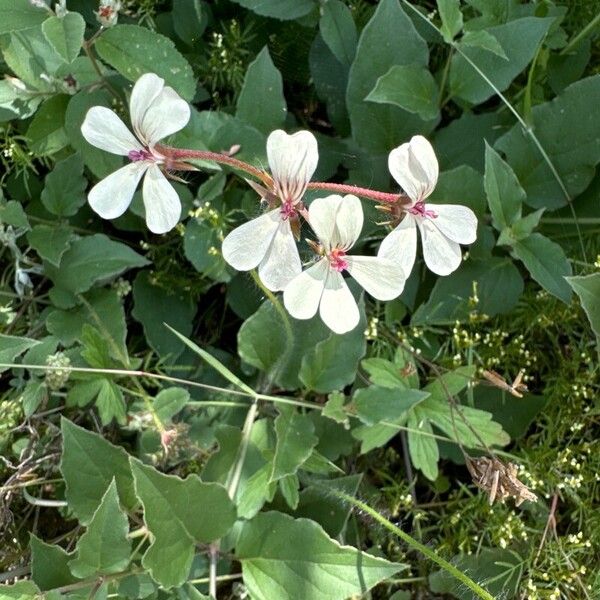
x: 336, y: 260
x: 137, y: 155
x: 419, y: 208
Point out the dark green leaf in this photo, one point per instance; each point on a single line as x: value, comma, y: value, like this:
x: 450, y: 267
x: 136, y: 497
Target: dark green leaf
x: 279, y: 9
x: 65, y: 185
x: 47, y: 133
x: 49, y: 565
x: 169, y: 402
x: 374, y: 404
x: 588, y: 290
x: 50, y: 242
x: 485, y: 40
x: 338, y: 30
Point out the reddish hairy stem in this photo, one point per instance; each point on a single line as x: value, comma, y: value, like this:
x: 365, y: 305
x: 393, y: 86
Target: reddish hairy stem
x: 357, y: 191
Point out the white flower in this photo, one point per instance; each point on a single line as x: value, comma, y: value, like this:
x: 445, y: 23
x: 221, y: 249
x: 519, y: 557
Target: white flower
x: 337, y: 223
x: 443, y: 226
x: 156, y: 112
x: 108, y: 12
x: 267, y: 242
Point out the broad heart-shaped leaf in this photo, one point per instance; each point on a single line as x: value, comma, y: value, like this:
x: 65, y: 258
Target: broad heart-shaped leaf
x: 279, y: 9
x: 547, y: 264
x: 504, y: 193
x: 410, y: 87
x: 380, y: 128
x: 104, y: 548
x: 134, y: 50
x: 49, y: 565
x: 65, y: 34
x: 47, y: 133
x: 179, y: 513
x: 569, y: 131
x: 91, y: 259
x: 50, y: 242
x: 12, y: 346
x: 519, y: 40
x: 63, y: 193
x: 261, y: 102
x: 338, y: 30
x: 588, y: 289
x: 295, y: 441
x: 22, y: 590
x: 20, y: 14
x: 374, y: 404
x: 88, y: 465
x: 288, y: 558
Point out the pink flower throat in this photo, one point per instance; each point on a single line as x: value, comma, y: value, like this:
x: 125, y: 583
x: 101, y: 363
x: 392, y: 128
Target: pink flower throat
x: 420, y: 209
x: 336, y: 260
x: 137, y: 155
x: 287, y: 210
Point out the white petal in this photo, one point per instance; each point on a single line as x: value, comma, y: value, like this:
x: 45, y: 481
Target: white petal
x: 111, y: 196
x: 103, y: 128
x: 322, y: 215
x: 293, y: 160
x: 349, y: 221
x: 282, y: 261
x: 143, y: 94
x: 338, y: 308
x: 414, y: 166
x: 162, y: 204
x: 400, y: 246
x: 381, y: 277
x: 456, y: 222
x: 246, y: 246
x: 166, y: 115
x: 441, y: 255
x: 302, y: 295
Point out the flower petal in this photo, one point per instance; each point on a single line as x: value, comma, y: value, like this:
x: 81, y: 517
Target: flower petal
x: 400, y: 245
x: 338, y: 307
x: 282, y: 261
x: 111, y: 196
x: 144, y: 92
x: 349, y: 221
x: 381, y: 277
x: 456, y: 222
x: 322, y: 215
x: 293, y: 160
x: 302, y: 295
x: 167, y: 114
x: 246, y: 246
x: 103, y: 128
x: 162, y: 204
x: 441, y: 254
x: 415, y: 167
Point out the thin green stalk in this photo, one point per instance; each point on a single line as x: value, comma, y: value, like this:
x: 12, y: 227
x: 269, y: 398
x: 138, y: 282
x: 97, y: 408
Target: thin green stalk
x: 430, y: 554
x: 581, y: 35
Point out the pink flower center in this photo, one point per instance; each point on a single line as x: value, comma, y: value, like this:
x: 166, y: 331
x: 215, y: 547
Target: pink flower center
x: 336, y: 260
x: 420, y: 209
x: 137, y: 155
x: 287, y: 210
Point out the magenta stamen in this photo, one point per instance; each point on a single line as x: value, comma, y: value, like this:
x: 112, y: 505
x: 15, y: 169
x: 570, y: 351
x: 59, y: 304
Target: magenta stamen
x: 287, y: 210
x: 336, y: 260
x: 419, y: 208
x: 137, y: 155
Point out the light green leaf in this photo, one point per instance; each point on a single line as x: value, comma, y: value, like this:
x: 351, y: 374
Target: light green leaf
x: 201, y: 246
x: 110, y: 403
x: 504, y: 192
x: 63, y: 193
x: 338, y: 30
x: 295, y: 442
x: 179, y: 513
x: 169, y: 402
x: 520, y: 229
x: 452, y: 19
x: 279, y: 9
x: 49, y: 565
x: 461, y: 185
x: 134, y: 50
x: 46, y: 132
x: 289, y: 486
x: 334, y: 408
x: 547, y: 264
x: 374, y: 404
x: 104, y: 548
x: 255, y: 491
x: 20, y: 14
x: 588, y: 289
x: 12, y: 213
x: 65, y: 34
x: 50, y: 242
x: 384, y: 373
x: 12, y: 346
x: 22, y: 590
x: 88, y: 465
x: 410, y: 87
x: 485, y: 40
x: 450, y: 383
x: 261, y: 102
x: 423, y: 447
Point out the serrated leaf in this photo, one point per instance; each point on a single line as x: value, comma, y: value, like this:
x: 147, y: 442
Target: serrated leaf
x: 110, y: 403
x: 12, y: 213
x: 49, y: 565
x: 20, y: 14
x: 338, y: 30
x: 261, y: 102
x: 279, y: 9
x: 485, y: 40
x: 334, y: 408
x: 65, y: 34
x: 12, y: 346
x: 374, y: 404
x: 50, y: 242
x: 22, y: 590
x: 104, y: 548
x: 179, y: 513
x: 423, y: 447
x: 134, y: 50
x: 33, y: 395
x: 588, y: 289
x: 313, y: 567
x: 88, y: 465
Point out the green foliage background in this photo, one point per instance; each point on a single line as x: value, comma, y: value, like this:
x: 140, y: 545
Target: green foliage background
x: 145, y: 461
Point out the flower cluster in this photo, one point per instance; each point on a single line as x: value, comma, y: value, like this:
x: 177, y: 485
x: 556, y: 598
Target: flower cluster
x: 268, y: 242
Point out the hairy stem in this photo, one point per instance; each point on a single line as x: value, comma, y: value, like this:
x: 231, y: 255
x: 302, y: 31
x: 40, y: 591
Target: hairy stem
x: 343, y: 188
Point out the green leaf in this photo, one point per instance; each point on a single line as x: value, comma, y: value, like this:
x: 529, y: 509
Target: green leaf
x: 463, y: 185
x: 63, y: 193
x: 379, y: 128
x: 279, y: 9
x: 312, y: 567
x: 179, y: 513
x: 334, y: 408
x: 423, y: 447
x: 261, y: 102
x: 295, y: 442
x: 91, y: 259
x: 33, y: 395
x: 547, y: 264
x: 485, y: 40
x: 169, y: 402
x: 201, y: 246
x: 338, y: 30
x: 520, y: 229
x: 46, y: 132
x: 49, y: 565
x: 189, y: 20
x: 588, y: 289
x: 574, y: 154
x: 12, y: 346
x: 110, y: 403
x: 65, y: 34
x: 504, y: 192
x: 374, y: 404
x: 289, y: 486
x: 22, y: 590
x: 410, y: 87
x: 88, y: 465
x: 519, y: 40
x: 50, y: 242
x: 134, y: 50
x: 450, y: 383
x: 12, y: 213
x: 20, y: 14
x: 104, y: 548
x: 452, y: 19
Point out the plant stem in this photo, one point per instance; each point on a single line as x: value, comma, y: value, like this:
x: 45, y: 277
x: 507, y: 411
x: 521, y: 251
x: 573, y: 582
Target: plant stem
x: 581, y: 35
x: 343, y: 188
